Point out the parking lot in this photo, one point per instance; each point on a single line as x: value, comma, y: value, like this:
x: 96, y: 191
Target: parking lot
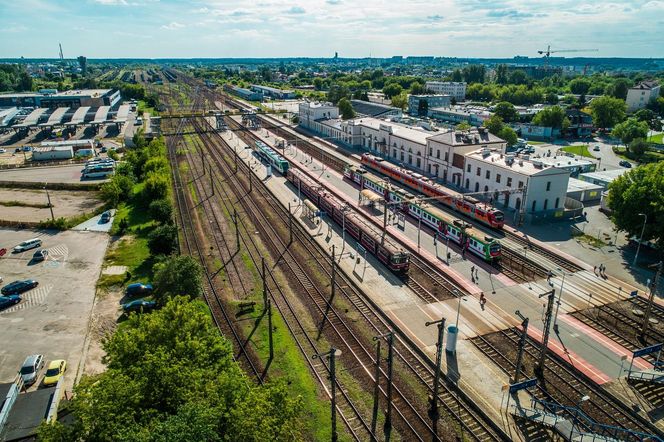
x: 53, y: 318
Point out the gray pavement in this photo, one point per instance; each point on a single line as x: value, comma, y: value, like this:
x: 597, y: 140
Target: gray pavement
x: 94, y: 224
x: 56, y: 174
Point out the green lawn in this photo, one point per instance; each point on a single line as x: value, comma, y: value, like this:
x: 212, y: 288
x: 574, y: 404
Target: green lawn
x: 142, y: 106
x: 535, y: 143
x: 581, y: 149
x: 659, y: 139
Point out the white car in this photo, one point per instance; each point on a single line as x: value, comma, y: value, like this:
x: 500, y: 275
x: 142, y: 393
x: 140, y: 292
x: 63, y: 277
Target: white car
x: 3, y: 150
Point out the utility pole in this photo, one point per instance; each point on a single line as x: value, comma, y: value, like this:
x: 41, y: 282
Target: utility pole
x: 433, y: 409
x: 539, y: 369
x: 290, y: 224
x: 250, y: 180
x: 333, y: 277
x: 237, y: 230
x: 382, y: 238
x: 522, y: 344
x: 374, y: 414
x: 651, y: 298
x: 211, y: 180
x: 332, y: 354
x: 387, y: 426
x: 48, y: 197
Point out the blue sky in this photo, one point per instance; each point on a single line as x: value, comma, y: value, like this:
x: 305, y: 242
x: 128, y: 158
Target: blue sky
x: 354, y: 28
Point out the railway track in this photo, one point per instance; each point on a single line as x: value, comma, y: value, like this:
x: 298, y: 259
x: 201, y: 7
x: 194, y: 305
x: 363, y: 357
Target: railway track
x: 469, y: 419
x: 562, y: 385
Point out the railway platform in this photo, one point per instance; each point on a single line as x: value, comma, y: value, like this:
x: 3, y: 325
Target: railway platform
x: 583, y: 347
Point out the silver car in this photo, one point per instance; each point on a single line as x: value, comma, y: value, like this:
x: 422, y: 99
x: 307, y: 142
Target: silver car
x: 30, y: 368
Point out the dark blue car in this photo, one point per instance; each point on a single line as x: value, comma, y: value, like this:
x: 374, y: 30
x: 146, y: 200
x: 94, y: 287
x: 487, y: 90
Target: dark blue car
x: 139, y: 305
x: 137, y: 289
x: 17, y: 287
x: 8, y: 301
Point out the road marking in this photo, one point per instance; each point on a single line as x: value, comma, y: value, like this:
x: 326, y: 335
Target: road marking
x: 32, y: 298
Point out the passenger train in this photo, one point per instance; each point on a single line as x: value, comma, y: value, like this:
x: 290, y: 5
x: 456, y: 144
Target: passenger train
x: 467, y: 237
x: 472, y: 207
x: 272, y: 157
x: 394, y: 258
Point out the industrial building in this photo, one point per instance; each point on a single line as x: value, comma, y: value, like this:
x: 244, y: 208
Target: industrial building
x: 369, y: 109
x: 243, y: 93
x: 602, y: 178
x: 419, y: 105
x: 52, y: 153
x: 456, y: 89
x: 51, y: 98
x: 586, y: 192
x: 272, y: 92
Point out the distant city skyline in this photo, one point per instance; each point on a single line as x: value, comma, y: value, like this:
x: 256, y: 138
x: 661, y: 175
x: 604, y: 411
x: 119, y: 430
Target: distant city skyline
x: 319, y: 28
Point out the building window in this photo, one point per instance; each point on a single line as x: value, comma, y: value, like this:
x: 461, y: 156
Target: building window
x: 394, y: 153
x: 557, y: 203
x: 438, y: 153
x: 498, y: 178
x: 429, y: 168
x: 468, y: 170
x: 534, y: 206
x: 401, y: 156
x: 548, y: 186
x: 419, y: 163
x: 447, y: 156
x: 520, y: 184
x: 486, y: 188
x: 430, y: 151
x: 410, y: 159
x: 488, y: 174
x: 509, y: 181
x: 478, y: 171
x: 477, y: 187
x: 467, y: 183
x: 546, y: 204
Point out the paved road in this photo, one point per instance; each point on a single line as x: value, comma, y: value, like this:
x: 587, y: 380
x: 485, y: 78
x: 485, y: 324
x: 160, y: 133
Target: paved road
x: 94, y: 224
x: 60, y: 174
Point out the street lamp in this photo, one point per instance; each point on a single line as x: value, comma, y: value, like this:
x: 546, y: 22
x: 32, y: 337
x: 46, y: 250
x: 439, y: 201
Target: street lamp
x: 560, y: 296
x: 578, y: 410
x: 638, y: 247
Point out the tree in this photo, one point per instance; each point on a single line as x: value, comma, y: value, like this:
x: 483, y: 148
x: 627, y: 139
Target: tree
x: 163, y: 240
x: 117, y: 189
x: 178, y: 275
x: 553, y: 116
x: 156, y: 187
x: 638, y: 147
x: 618, y: 89
x: 171, y: 377
x: 580, y: 86
x: 607, y: 111
x: 337, y: 92
x: 464, y: 125
x: 518, y: 77
x: 392, y: 90
x: 346, y: 109
x: 24, y: 82
x: 630, y: 129
x: 502, y: 74
x: 494, y: 124
x: 400, y: 101
x: 161, y: 211
x: 416, y: 88
x: 506, y: 112
x: 474, y: 73
x: 650, y: 118
x: 508, y: 134
x: 457, y: 75
x: 640, y: 190
x: 551, y: 98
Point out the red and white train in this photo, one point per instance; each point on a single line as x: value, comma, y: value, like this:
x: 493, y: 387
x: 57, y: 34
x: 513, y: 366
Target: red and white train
x: 471, y: 207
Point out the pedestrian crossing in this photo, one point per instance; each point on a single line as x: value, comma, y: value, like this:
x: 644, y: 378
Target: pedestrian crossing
x: 33, y: 298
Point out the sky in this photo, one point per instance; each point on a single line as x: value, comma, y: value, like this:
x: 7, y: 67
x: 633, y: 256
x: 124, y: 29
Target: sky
x: 318, y: 28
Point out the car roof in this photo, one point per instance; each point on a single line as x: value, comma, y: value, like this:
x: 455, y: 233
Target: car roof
x: 136, y: 284
x: 30, y: 360
x: 56, y: 363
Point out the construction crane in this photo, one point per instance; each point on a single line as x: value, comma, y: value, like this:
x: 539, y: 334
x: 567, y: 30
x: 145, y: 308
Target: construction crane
x: 548, y: 52
x: 62, y: 57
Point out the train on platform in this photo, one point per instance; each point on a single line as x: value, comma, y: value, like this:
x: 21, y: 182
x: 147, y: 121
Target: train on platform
x: 468, y: 205
x: 447, y: 227
x: 391, y: 255
x: 272, y: 157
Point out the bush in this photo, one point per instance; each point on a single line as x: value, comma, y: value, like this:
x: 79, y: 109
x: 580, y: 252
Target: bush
x: 117, y: 189
x: 161, y: 211
x: 113, y: 155
x: 156, y: 186
x: 163, y: 240
x: 178, y: 275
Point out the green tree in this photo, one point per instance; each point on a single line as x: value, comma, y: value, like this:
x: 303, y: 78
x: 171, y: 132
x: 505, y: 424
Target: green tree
x: 171, y: 377
x: 502, y: 74
x: 553, y: 116
x: 337, y: 92
x: 392, y: 90
x: 457, y: 75
x: 650, y: 118
x: 163, y: 240
x: 551, y: 98
x: 618, y: 89
x: 638, y: 147
x: 474, y: 73
x: 423, y: 108
x: 464, y: 125
x: 580, y: 86
x: 400, y: 100
x: 508, y: 134
x: 640, y: 190
x: 346, y: 109
x: 24, y: 82
x: 607, y: 111
x: 161, y: 211
x: 494, y: 124
x: 156, y: 187
x: 417, y: 88
x: 629, y: 130
x: 506, y: 112
x: 178, y: 275
x: 117, y: 189
x: 518, y: 77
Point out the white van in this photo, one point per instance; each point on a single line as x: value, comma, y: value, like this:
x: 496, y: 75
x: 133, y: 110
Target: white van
x: 27, y: 245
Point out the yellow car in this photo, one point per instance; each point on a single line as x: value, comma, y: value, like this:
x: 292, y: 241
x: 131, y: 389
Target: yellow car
x: 55, y: 371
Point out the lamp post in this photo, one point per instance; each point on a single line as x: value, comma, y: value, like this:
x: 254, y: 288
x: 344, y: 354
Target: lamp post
x: 638, y: 247
x: 578, y: 410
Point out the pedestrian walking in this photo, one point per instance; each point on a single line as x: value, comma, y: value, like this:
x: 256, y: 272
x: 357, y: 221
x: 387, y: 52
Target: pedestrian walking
x: 549, y: 276
x: 472, y: 270
x: 482, y: 301
x: 595, y: 270
x: 472, y: 278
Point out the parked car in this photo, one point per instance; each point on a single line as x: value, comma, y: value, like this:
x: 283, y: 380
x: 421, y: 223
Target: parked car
x: 529, y: 149
x: 27, y: 245
x: 27, y: 148
x: 3, y: 150
x: 596, y: 148
x: 54, y: 372
x: 139, y: 305
x: 105, y: 217
x: 30, y: 368
x: 40, y: 255
x: 625, y: 163
x: 8, y: 301
x: 138, y: 289
x: 16, y: 287
x: 17, y: 150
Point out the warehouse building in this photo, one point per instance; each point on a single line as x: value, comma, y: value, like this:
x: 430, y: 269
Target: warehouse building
x: 243, y: 93
x: 369, y: 109
x: 52, y: 153
x: 602, y: 178
x: 272, y: 92
x: 419, y: 105
x: 51, y: 98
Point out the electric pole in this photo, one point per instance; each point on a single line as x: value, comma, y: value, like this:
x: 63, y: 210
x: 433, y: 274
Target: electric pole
x: 522, y: 344
x: 539, y: 369
x: 651, y: 298
x: 433, y: 409
x: 387, y: 426
x: 376, y: 392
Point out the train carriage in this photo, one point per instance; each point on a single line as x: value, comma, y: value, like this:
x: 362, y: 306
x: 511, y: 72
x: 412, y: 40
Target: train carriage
x: 272, y: 157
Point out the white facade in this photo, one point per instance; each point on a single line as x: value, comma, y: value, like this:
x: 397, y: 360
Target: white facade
x: 50, y: 153
x: 640, y: 95
x: 453, y: 88
x: 308, y: 113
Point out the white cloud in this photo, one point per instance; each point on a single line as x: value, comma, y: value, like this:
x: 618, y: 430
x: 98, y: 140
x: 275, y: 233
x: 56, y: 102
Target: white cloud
x: 172, y: 26
x: 296, y: 10
x: 111, y: 2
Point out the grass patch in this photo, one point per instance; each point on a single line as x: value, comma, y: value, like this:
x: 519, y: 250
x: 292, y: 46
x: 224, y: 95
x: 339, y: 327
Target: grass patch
x: 581, y: 150
x: 535, y: 142
x: 651, y: 156
x: 67, y: 223
x: 659, y: 139
x: 588, y: 239
x: 142, y: 106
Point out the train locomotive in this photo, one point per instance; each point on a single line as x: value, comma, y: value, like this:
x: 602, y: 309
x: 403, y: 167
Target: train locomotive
x: 272, y: 157
x: 392, y: 256
x: 472, y: 207
x: 446, y: 226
